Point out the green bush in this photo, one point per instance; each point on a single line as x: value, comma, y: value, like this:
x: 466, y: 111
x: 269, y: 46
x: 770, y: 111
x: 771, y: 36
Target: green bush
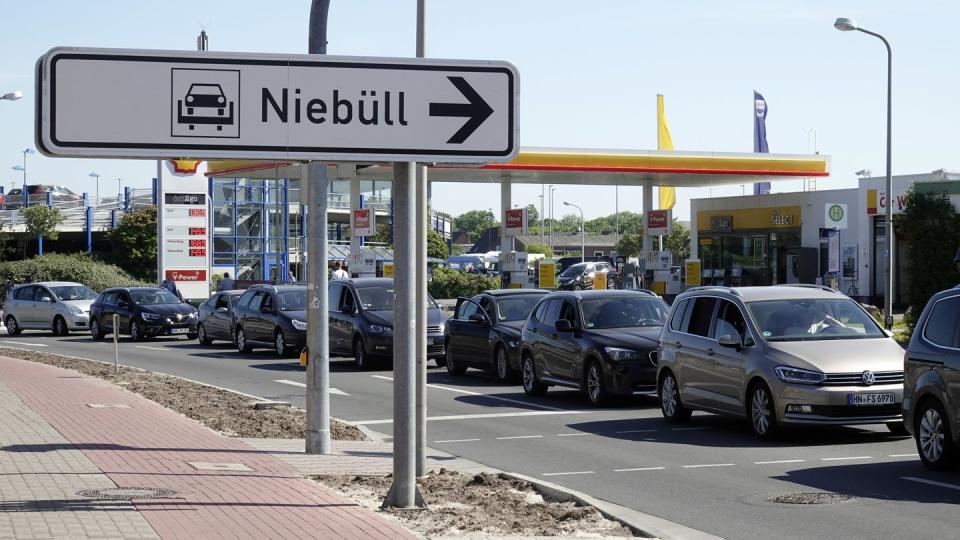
x: 447, y: 283
x: 80, y: 268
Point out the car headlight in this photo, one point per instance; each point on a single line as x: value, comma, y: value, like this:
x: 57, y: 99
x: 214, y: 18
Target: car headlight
x: 75, y: 310
x: 299, y: 325
x: 377, y: 329
x: 192, y: 315
x: 442, y: 326
x: 799, y: 376
x: 619, y: 355
x: 149, y: 316
x: 513, y: 344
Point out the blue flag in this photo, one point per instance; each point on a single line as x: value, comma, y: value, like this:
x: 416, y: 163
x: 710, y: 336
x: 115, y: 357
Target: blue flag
x: 760, y: 137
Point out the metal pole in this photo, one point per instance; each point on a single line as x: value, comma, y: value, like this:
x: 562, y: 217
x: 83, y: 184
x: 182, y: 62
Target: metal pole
x: 404, y: 493
x: 616, y: 208
x: 541, y: 213
x: 315, y: 182
x: 116, y: 343
x: 421, y: 292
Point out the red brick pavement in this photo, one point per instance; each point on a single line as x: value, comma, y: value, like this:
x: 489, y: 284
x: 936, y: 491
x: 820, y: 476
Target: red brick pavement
x: 147, y: 445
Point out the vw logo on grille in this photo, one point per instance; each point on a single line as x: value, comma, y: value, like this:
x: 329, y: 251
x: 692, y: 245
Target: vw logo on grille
x: 180, y: 317
x: 869, y: 378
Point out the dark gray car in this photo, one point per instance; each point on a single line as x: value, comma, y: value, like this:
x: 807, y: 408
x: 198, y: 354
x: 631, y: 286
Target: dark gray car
x: 931, y: 386
x: 216, y: 317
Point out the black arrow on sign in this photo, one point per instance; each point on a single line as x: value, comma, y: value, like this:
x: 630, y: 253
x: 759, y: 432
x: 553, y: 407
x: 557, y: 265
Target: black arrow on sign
x: 477, y: 110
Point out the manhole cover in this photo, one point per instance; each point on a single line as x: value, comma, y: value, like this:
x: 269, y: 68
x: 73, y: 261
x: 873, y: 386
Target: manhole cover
x: 811, y: 498
x: 127, y: 493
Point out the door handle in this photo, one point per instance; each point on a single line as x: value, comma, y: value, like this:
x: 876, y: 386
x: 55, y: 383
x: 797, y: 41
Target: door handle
x: 711, y: 352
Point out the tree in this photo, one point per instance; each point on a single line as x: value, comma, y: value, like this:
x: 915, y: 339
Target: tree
x: 40, y: 221
x: 629, y: 245
x: 135, y: 243
x: 383, y: 234
x: 436, y: 245
x: 475, y: 222
x: 533, y: 219
x: 678, y: 241
x: 540, y: 248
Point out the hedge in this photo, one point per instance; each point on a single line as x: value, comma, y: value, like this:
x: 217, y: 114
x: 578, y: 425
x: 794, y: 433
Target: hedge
x: 80, y: 268
x: 447, y: 283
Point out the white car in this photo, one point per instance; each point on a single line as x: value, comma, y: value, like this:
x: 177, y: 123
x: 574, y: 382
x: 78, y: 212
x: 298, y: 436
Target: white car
x: 60, y: 306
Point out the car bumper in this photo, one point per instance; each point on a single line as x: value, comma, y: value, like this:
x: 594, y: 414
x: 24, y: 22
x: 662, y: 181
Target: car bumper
x: 78, y: 322
x: 167, y: 329
x: 828, y: 405
x: 296, y: 339
x: 625, y: 378
x: 383, y: 345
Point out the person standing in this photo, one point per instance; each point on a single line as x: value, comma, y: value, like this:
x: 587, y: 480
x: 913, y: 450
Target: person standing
x: 339, y: 272
x: 171, y: 287
x: 226, y: 283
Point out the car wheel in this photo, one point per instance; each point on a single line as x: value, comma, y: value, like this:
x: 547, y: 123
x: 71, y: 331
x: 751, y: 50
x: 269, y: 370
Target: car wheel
x: 60, y: 326
x: 531, y: 385
x: 611, y: 284
x: 280, y: 344
x: 359, y: 354
x: 934, y: 440
x: 441, y: 360
x: 502, y: 365
x: 136, y: 333
x: 594, y: 384
x: 898, y: 428
x: 763, y: 416
x: 95, y: 331
x: 670, y: 403
x: 453, y: 367
x: 202, y: 335
x: 13, y: 328
x: 242, y: 344
x: 577, y: 287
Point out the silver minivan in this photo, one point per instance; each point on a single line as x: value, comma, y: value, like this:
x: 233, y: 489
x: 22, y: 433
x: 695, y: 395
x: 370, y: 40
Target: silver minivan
x: 778, y: 355
x: 60, y: 306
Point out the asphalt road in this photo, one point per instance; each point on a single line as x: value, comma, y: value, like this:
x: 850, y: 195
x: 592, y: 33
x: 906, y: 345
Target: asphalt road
x: 710, y: 474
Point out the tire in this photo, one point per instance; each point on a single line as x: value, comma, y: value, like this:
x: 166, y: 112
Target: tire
x: 96, y: 332
x: 242, y: 344
x: 898, y: 428
x: 670, y: 403
x: 360, y: 359
x: 60, y: 327
x: 934, y: 439
x: 577, y: 287
x: 191, y: 337
x: 136, y: 332
x: 761, y: 412
x: 528, y: 371
x: 202, y: 335
x: 501, y: 365
x: 453, y: 367
x: 594, y: 385
x: 13, y: 328
x: 280, y: 344
x: 441, y: 360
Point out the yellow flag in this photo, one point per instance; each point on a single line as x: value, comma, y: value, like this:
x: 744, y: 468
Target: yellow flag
x: 668, y: 195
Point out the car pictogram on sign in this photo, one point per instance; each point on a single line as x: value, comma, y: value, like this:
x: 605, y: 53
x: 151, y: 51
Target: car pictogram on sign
x: 205, y: 104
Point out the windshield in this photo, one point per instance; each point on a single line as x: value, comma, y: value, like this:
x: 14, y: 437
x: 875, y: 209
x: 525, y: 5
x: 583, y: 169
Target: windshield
x: 575, y: 270
x: 152, y: 298
x: 516, y: 308
x: 622, y: 312
x: 381, y: 299
x: 74, y: 292
x: 813, y: 320
x: 292, y: 300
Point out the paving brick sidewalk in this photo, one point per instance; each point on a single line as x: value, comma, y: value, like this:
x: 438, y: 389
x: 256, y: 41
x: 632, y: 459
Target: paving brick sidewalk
x: 54, y: 443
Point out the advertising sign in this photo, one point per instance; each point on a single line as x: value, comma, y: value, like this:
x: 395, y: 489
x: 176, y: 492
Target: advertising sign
x: 599, y: 281
x: 388, y: 269
x: 659, y: 222
x: 548, y: 274
x: 657, y: 260
x: 183, y: 213
x: 691, y: 268
x: 364, y: 222
x: 833, y: 251
x: 515, y: 222
x: 835, y: 216
x: 129, y: 103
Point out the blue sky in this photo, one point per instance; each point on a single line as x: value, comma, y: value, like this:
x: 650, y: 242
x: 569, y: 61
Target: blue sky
x: 590, y: 72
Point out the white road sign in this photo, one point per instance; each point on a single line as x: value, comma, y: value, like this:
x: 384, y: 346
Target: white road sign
x: 179, y: 104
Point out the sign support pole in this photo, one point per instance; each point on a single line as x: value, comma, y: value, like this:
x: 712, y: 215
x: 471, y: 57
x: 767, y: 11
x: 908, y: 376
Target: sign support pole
x: 421, y: 180
x: 316, y: 183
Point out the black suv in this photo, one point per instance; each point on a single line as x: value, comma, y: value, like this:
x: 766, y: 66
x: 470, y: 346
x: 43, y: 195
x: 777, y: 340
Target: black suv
x: 271, y: 316
x: 361, y: 320
x: 142, y: 312
x: 601, y: 342
x: 580, y: 276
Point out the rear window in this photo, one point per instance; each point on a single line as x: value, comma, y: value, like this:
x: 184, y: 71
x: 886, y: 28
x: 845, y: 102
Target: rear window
x: 942, y: 324
x: 676, y: 322
x: 245, y: 299
x: 700, y: 316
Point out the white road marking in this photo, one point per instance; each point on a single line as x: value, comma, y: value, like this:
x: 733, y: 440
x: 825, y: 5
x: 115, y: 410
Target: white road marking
x: 152, y: 348
x: 636, y: 431
x: 573, y: 434
x: 25, y: 343
x: 779, y: 461
x: 689, y: 428
x: 903, y: 455
x: 525, y: 404
x: 640, y: 469
x: 566, y: 473
x: 334, y: 391
x: 475, y: 416
x: 709, y: 465
x: 845, y: 458
x: 931, y: 482
x: 520, y: 437
x: 456, y: 440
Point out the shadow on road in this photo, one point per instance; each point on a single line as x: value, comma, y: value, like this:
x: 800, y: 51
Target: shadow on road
x: 880, y: 481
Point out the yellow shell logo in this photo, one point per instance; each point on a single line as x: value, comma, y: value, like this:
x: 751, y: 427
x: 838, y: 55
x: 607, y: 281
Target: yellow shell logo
x: 185, y: 166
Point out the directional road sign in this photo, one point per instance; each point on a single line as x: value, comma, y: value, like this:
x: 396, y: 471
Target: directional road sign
x: 179, y: 104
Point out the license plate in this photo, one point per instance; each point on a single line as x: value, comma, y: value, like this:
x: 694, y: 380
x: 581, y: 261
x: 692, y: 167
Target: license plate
x: 179, y: 330
x: 886, y: 398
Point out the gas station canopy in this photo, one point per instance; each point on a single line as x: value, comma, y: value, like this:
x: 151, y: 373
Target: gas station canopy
x: 581, y: 166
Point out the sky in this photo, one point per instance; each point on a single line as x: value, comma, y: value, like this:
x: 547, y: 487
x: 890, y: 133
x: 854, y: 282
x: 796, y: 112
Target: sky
x: 589, y: 72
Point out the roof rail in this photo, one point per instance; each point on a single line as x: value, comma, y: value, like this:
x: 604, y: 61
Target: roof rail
x: 645, y: 291
x: 810, y: 286
x: 729, y: 290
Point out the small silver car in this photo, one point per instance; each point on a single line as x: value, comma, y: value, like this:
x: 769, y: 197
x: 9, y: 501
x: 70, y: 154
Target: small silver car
x: 60, y: 306
x: 778, y: 355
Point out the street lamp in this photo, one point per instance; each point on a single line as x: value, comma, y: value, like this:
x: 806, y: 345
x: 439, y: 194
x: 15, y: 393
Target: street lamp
x: 12, y: 96
x: 23, y: 169
x: 119, y: 191
x: 552, y: 189
x: 97, y: 176
x: 583, y: 229
x: 847, y: 25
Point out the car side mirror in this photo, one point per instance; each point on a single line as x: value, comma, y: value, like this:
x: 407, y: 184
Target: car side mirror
x: 730, y: 341
x: 221, y: 310
x: 477, y: 317
x: 123, y: 304
x: 348, y: 310
x: 564, y: 325
x: 46, y: 299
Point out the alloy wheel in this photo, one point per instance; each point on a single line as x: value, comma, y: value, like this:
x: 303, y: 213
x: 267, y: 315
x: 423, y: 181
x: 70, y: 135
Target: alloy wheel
x: 503, y: 364
x: 12, y: 327
x: 241, y: 340
x: 931, y: 435
x: 201, y: 334
x: 668, y: 396
x: 135, y: 331
x: 760, y: 410
x: 60, y: 326
x: 529, y: 378
x: 280, y: 344
x: 593, y: 383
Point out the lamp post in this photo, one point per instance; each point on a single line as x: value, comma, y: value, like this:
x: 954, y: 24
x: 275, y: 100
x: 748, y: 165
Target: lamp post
x: 552, y: 189
x: 847, y: 25
x: 119, y: 190
x: 97, y: 176
x: 583, y: 232
x: 541, y: 212
x: 12, y: 96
